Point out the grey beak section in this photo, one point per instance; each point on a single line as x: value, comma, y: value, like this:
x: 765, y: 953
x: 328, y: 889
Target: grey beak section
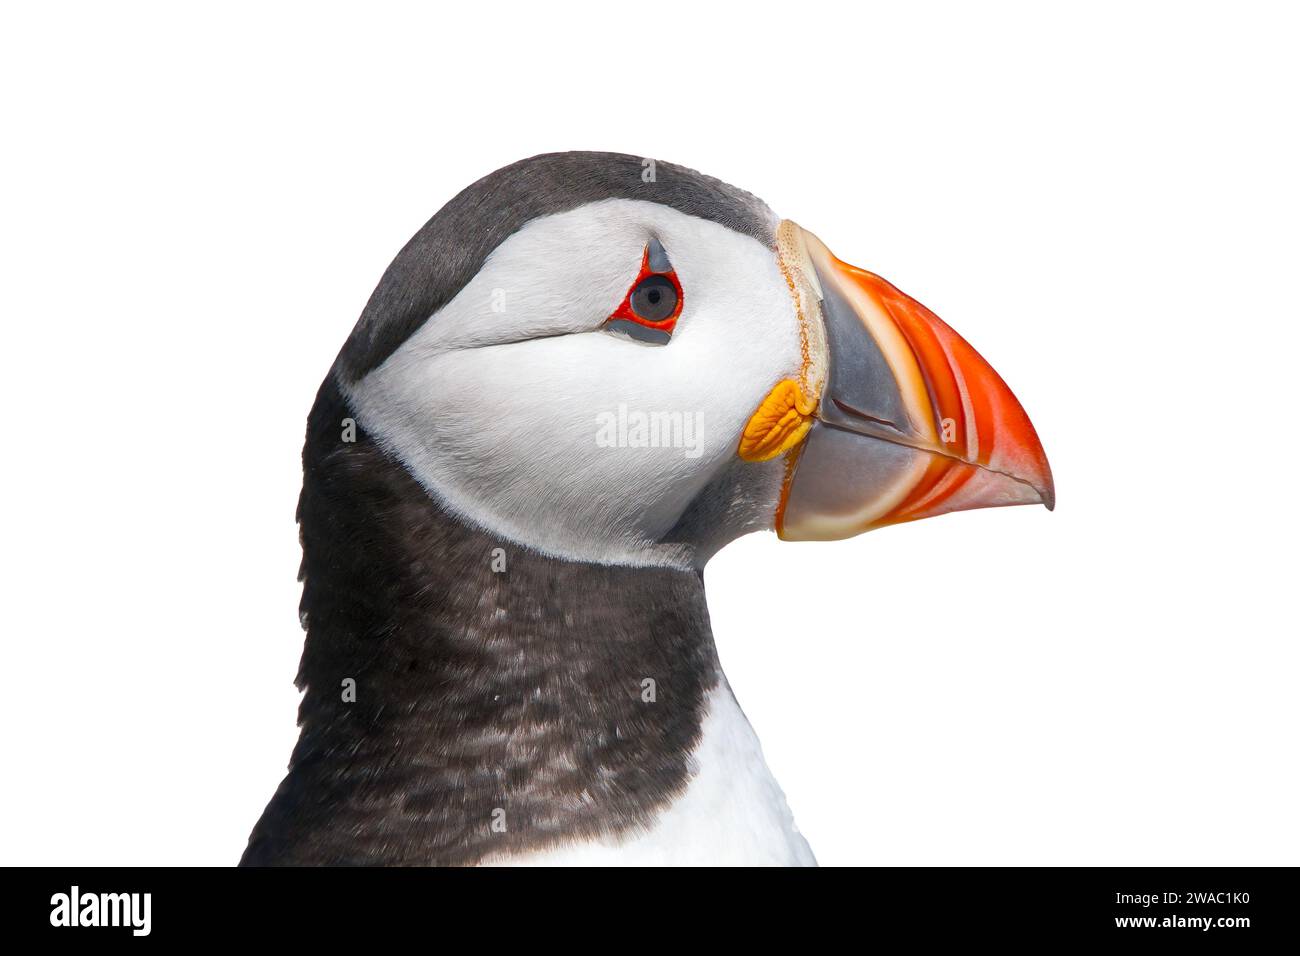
x: 861, y: 392
x: 838, y: 469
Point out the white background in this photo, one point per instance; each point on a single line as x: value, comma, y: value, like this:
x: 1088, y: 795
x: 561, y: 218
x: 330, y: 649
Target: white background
x: 1104, y: 201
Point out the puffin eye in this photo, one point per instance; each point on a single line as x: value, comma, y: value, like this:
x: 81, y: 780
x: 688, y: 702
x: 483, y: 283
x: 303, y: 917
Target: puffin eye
x: 653, y: 304
x: 654, y: 298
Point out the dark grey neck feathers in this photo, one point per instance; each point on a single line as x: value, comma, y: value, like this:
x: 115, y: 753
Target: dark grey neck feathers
x: 496, y: 711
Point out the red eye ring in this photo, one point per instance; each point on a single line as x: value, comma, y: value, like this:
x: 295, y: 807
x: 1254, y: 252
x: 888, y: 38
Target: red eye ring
x: 628, y: 314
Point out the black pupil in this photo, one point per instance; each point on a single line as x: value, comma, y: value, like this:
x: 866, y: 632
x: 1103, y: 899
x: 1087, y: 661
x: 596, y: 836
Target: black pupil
x: 654, y: 299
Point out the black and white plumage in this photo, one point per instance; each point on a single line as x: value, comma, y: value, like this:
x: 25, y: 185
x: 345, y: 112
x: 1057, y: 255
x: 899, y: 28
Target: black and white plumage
x: 500, y: 584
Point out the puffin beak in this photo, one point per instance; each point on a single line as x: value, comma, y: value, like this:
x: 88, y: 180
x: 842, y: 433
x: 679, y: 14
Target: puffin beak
x: 911, y: 421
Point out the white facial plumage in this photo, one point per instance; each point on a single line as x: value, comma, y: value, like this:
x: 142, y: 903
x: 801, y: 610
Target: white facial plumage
x: 519, y: 412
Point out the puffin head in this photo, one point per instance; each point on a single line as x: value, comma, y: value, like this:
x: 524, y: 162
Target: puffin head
x: 608, y: 359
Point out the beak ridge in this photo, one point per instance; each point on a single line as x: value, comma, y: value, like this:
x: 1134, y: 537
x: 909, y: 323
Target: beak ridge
x: 978, y: 418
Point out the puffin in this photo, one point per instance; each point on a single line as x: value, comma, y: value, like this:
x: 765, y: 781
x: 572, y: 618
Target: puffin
x: 581, y: 379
